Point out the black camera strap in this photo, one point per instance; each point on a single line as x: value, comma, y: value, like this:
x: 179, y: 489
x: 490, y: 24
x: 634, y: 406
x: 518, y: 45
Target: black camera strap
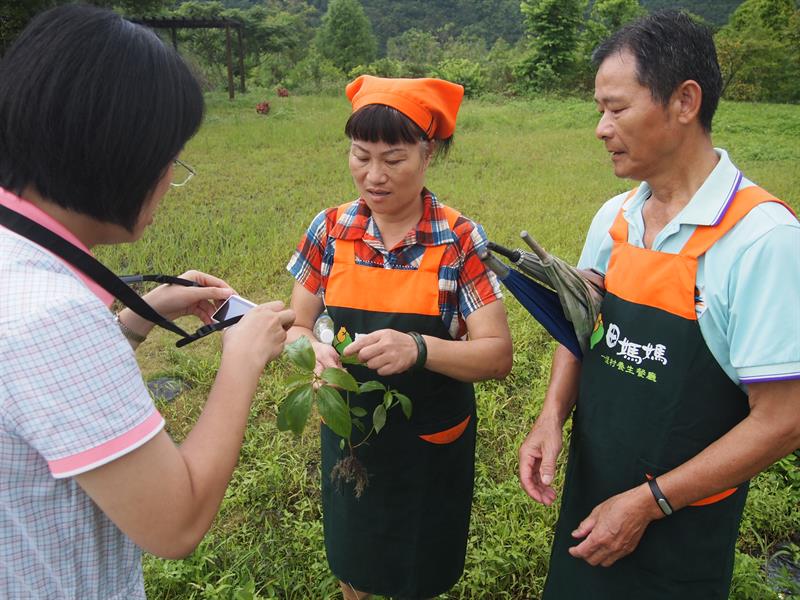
x: 100, y: 274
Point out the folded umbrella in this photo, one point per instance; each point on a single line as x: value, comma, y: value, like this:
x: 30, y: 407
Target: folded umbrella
x: 578, y: 296
x: 541, y: 302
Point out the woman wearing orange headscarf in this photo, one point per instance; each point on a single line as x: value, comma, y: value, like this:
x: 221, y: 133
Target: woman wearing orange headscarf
x: 399, y: 268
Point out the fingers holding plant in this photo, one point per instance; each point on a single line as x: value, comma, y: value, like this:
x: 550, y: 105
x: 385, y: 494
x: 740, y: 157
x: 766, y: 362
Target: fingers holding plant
x: 332, y: 390
x: 386, y: 351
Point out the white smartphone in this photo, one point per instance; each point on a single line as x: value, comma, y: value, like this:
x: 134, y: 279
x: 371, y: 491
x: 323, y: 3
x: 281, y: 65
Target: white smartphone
x: 234, y: 306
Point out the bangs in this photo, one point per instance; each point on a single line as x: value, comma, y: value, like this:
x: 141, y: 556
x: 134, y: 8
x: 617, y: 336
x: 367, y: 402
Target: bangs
x: 380, y: 123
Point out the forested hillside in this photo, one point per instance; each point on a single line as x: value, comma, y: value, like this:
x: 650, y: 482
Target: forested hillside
x: 715, y: 12
x: 489, y: 19
x: 506, y: 47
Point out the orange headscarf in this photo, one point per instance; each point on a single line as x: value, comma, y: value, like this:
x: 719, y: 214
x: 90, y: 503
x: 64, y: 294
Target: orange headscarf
x: 431, y: 103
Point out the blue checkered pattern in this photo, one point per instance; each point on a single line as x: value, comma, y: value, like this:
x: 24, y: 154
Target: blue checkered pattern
x: 69, y: 387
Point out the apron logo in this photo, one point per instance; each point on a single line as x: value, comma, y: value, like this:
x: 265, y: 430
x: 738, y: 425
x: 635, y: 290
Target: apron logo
x: 597, y: 332
x: 341, y: 341
x: 633, y: 352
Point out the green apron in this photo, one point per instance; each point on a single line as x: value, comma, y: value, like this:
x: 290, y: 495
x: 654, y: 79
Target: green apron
x: 406, y: 535
x: 652, y: 396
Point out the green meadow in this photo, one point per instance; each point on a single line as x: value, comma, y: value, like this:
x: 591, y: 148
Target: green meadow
x: 515, y: 165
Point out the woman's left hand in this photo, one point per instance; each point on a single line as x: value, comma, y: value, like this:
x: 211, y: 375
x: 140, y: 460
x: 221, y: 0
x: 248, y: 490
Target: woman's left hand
x: 173, y: 301
x: 386, y: 351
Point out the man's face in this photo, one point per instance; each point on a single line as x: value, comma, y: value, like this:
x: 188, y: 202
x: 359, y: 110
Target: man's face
x: 638, y: 131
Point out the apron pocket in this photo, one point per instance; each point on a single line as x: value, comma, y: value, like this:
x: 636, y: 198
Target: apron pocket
x: 695, y: 543
x: 445, y: 431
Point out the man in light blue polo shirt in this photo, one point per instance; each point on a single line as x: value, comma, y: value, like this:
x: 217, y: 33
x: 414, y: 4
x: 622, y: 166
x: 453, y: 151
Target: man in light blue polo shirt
x: 762, y: 342
x: 692, y: 382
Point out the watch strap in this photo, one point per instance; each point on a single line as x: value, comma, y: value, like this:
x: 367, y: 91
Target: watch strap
x: 660, y: 498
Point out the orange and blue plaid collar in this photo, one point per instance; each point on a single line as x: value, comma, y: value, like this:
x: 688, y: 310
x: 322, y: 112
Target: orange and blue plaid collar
x: 356, y: 223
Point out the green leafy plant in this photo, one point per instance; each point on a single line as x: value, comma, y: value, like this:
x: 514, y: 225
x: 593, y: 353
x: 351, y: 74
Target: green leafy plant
x: 307, y: 388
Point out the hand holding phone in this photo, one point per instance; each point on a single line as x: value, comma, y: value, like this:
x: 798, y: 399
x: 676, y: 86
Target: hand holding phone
x: 259, y: 337
x: 234, y: 306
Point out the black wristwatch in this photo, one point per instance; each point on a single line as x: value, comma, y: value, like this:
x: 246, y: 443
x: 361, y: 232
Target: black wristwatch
x: 661, y: 499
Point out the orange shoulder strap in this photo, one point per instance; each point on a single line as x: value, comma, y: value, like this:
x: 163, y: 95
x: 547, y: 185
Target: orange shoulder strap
x: 619, y: 229
x: 743, y: 202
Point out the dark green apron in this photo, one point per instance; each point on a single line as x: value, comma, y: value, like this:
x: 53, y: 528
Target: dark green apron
x: 406, y: 535
x: 651, y: 397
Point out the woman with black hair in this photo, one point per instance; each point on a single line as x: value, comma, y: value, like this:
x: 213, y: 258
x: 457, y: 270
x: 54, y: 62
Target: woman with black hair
x: 94, y: 111
x: 400, y: 270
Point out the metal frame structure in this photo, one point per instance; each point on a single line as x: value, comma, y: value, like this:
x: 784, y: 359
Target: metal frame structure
x: 175, y: 23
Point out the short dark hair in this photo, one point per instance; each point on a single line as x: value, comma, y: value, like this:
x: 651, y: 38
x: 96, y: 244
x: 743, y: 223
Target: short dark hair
x: 670, y: 48
x: 381, y: 123
x: 92, y: 110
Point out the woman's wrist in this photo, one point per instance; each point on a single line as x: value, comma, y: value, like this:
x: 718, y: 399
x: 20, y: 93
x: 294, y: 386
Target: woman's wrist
x: 422, y: 351
x: 133, y: 327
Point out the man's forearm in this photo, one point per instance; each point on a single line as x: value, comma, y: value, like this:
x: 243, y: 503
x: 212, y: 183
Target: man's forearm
x: 770, y: 432
x: 562, y: 390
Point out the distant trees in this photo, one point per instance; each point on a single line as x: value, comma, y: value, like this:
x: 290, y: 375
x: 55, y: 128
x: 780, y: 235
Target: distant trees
x: 551, y: 29
x: 510, y: 47
x: 560, y: 41
x: 15, y: 14
x: 759, y: 51
x: 605, y: 17
x: 346, y: 37
x: 417, y: 49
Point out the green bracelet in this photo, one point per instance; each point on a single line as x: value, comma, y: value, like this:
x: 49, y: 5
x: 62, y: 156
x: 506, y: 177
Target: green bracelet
x: 422, y: 351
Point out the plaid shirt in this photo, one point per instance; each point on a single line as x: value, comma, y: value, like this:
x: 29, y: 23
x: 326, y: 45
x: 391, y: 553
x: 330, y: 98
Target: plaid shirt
x: 464, y: 282
x: 71, y: 399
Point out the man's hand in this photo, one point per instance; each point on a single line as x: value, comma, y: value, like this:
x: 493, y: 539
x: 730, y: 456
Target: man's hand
x: 614, y: 527
x: 537, y: 459
x: 386, y: 351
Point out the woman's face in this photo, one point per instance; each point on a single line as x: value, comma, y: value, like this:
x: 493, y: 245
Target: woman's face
x: 389, y: 177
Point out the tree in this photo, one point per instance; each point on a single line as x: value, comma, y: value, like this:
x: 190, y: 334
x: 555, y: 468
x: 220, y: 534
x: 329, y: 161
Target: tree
x: 419, y: 50
x: 345, y: 37
x: 605, y: 17
x: 14, y: 15
x: 551, y: 30
x: 759, y: 52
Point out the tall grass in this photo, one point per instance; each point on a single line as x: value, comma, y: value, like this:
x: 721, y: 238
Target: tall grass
x: 515, y: 165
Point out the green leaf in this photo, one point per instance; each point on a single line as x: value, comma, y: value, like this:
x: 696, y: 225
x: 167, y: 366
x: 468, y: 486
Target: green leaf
x: 379, y: 417
x: 405, y: 403
x: 358, y: 411
x: 281, y: 421
x: 371, y: 386
x: 301, y: 353
x: 341, y: 444
x: 296, y: 380
x: 295, y: 408
x: 350, y: 359
x: 341, y: 378
x: 333, y: 409
x: 387, y: 399
x: 359, y: 425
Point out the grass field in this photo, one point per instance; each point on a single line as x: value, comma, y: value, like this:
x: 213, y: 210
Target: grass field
x: 531, y: 165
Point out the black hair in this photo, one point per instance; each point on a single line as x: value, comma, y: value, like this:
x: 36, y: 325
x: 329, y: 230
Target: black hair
x: 92, y: 111
x: 381, y: 123
x: 670, y: 48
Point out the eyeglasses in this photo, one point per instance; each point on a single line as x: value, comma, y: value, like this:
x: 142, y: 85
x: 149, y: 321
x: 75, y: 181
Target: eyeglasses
x: 182, y: 173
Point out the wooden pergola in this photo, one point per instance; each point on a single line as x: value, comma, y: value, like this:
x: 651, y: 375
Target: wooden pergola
x: 175, y: 23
